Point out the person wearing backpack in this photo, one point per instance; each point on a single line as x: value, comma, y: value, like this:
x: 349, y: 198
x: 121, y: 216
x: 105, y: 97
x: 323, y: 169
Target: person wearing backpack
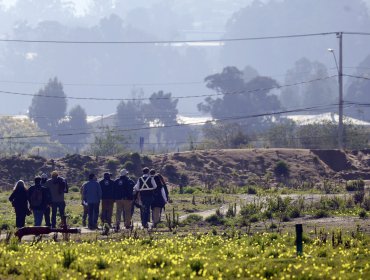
x: 124, y: 195
x: 145, y: 187
x: 92, y: 195
x: 58, y: 187
x: 38, y: 198
x: 160, y: 197
x: 19, y: 200
x: 107, y: 185
x: 44, y: 179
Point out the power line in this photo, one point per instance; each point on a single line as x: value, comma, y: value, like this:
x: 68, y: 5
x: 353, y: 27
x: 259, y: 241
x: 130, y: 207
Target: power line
x: 172, y: 97
x: 219, y: 40
x: 357, y: 77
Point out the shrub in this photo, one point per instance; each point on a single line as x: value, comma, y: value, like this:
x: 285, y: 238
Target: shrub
x: 251, y: 190
x: 366, y: 203
x: 130, y: 166
x: 321, y: 213
x: 362, y: 214
x: 281, y: 169
x: 192, y: 219
x: 171, y: 172
x: 74, y: 189
x: 355, y: 185
x: 358, y: 197
x: 112, y: 165
x: 190, y: 190
x: 215, y: 220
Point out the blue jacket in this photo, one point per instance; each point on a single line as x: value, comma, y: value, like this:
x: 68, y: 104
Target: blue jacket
x: 91, y: 192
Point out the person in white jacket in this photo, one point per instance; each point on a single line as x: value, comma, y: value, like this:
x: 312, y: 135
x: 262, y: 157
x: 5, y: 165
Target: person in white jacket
x: 144, y: 188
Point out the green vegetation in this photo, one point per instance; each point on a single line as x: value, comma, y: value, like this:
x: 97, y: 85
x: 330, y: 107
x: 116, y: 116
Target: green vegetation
x: 213, y: 256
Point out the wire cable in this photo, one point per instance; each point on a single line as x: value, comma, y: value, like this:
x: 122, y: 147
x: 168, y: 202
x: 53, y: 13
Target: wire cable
x: 172, y: 97
x: 221, y: 40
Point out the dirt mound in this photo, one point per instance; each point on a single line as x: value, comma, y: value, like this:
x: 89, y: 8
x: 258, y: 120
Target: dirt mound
x: 200, y: 168
x: 335, y: 159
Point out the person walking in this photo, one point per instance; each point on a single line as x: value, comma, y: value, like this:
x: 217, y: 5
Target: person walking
x: 160, y: 197
x: 39, y: 199
x: 145, y: 187
x: 19, y: 201
x: 124, y: 196
x: 84, y: 206
x: 44, y: 179
x: 58, y: 187
x: 107, y: 185
x: 92, y: 195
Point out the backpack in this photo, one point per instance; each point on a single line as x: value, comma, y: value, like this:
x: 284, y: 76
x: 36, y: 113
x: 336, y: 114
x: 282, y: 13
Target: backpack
x: 36, y: 197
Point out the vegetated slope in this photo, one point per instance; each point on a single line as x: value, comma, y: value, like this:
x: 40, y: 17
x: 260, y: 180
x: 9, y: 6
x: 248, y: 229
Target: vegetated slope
x: 208, y: 167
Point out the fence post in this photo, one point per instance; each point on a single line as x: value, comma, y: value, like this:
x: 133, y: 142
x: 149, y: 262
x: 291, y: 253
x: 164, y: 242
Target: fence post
x: 299, y: 241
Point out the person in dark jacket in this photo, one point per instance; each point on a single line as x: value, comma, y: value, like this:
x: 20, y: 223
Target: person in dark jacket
x: 19, y: 201
x: 39, y: 199
x: 124, y: 196
x: 58, y: 187
x: 107, y: 186
x: 145, y: 187
x: 44, y: 179
x: 160, y: 197
x: 92, y: 196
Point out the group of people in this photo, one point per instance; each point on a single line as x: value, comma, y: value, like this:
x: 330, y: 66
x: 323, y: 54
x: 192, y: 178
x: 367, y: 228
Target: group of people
x: 149, y: 193
x: 44, y: 195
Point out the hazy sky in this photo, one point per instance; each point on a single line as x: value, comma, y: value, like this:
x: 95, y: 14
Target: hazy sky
x: 81, y: 5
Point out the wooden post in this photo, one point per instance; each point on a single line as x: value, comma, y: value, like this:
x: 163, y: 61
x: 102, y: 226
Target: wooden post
x: 299, y: 241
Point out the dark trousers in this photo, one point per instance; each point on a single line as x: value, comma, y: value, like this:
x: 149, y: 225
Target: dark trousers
x: 84, y: 214
x: 54, y: 207
x: 93, y: 209
x: 47, y: 216
x: 20, y: 218
x: 145, y: 210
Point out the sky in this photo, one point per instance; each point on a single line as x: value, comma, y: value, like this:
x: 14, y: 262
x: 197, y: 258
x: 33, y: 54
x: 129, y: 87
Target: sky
x: 81, y: 5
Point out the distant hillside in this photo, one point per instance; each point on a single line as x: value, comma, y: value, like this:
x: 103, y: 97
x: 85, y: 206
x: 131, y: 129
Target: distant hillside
x: 11, y: 128
x: 210, y: 168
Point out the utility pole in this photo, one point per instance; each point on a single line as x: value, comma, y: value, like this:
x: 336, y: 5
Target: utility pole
x: 340, y: 82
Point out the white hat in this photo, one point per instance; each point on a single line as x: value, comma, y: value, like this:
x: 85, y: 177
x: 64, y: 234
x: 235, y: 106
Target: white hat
x: 124, y: 172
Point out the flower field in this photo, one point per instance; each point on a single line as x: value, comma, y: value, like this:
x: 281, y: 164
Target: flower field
x: 209, y: 256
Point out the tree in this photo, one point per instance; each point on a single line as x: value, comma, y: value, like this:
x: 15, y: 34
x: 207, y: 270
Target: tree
x: 320, y: 92
x: 47, y: 112
x: 108, y: 144
x: 239, y: 98
x: 283, y: 134
x: 162, y: 111
x: 224, y: 135
x: 77, y: 126
x: 358, y: 91
x: 131, y: 118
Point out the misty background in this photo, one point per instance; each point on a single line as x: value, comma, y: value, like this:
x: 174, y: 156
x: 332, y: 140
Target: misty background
x: 182, y: 72
x: 115, y: 70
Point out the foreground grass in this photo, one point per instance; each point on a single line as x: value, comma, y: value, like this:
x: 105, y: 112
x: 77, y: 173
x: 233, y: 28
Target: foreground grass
x: 226, y: 256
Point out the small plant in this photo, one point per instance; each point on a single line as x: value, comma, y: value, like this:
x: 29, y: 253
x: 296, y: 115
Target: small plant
x: 197, y: 266
x: 68, y: 258
x: 102, y: 264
